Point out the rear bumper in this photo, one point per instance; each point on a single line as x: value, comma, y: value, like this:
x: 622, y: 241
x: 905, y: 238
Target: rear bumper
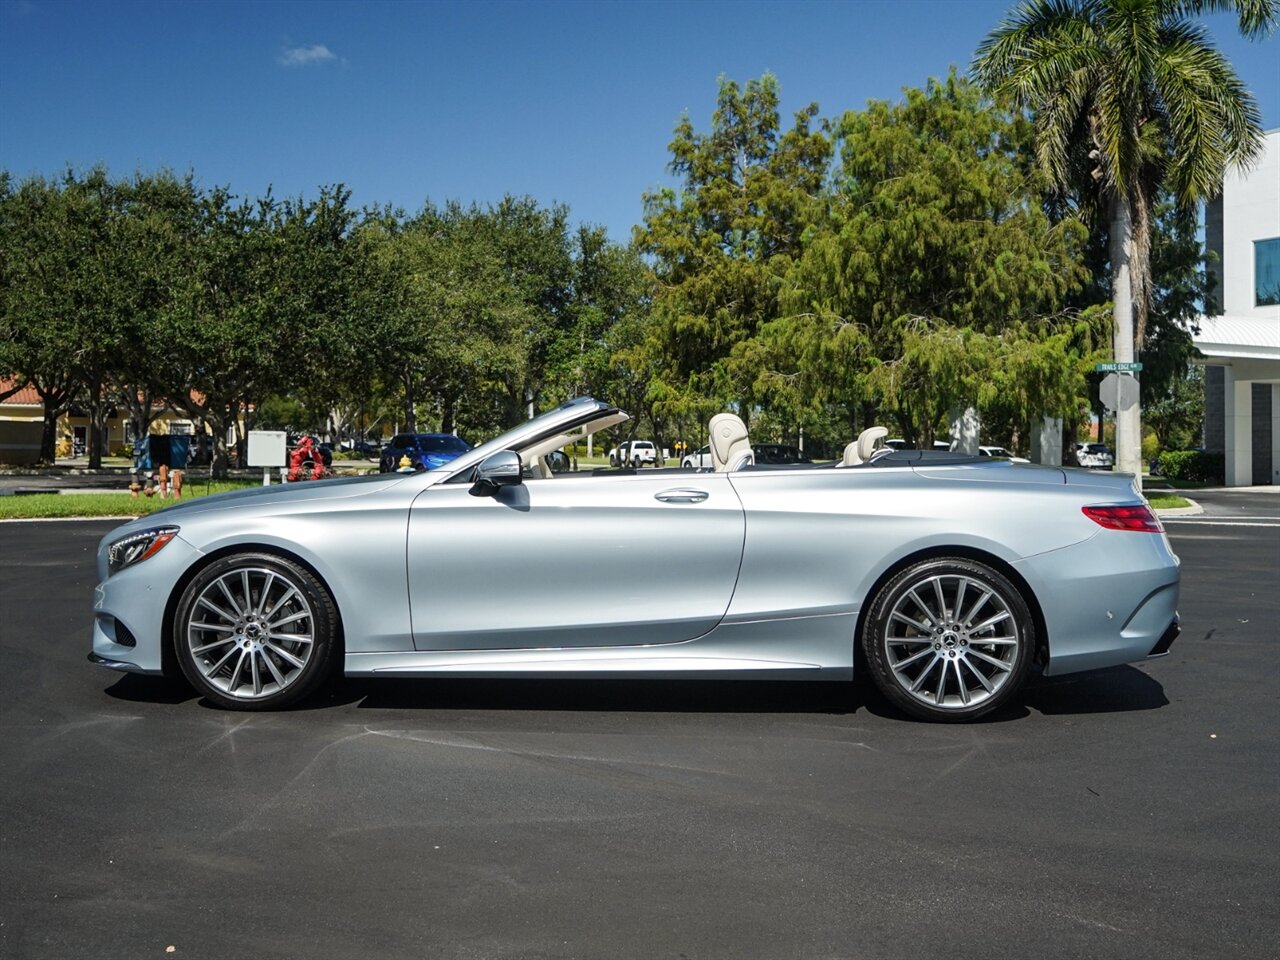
x: 1110, y: 600
x: 1166, y: 640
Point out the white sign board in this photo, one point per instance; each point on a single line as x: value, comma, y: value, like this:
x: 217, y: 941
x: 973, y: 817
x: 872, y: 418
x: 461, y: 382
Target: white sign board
x: 267, y: 448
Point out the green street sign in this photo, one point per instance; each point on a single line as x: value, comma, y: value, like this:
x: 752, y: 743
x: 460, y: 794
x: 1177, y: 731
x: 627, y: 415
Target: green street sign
x: 1117, y: 367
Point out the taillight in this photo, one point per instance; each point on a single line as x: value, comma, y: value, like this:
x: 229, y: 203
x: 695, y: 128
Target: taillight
x: 1139, y: 518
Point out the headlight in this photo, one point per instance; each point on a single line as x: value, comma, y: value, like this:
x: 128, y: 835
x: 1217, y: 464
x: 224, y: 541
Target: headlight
x: 137, y: 547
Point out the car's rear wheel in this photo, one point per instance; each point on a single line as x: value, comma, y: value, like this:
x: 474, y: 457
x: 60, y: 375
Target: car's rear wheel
x: 255, y: 632
x: 949, y: 639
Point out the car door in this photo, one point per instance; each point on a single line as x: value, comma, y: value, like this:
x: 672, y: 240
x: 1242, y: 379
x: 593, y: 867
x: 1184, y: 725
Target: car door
x: 574, y: 560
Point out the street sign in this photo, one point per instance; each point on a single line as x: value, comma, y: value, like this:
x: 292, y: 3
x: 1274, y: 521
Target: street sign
x: 1117, y: 367
x: 1117, y: 392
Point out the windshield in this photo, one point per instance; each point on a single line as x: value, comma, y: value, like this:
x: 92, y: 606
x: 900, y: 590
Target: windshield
x: 437, y: 443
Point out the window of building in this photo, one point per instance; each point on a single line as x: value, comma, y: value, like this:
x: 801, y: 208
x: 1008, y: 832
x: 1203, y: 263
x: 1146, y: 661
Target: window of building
x: 1266, y: 272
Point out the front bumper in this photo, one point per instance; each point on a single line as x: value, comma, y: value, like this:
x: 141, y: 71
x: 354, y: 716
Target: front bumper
x: 129, y: 610
x: 122, y: 665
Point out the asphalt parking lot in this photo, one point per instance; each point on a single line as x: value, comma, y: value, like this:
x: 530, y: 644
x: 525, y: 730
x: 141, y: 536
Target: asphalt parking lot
x: 1128, y: 812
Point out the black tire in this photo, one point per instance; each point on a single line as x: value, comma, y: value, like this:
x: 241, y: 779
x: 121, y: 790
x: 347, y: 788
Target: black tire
x: 968, y: 661
x: 215, y: 627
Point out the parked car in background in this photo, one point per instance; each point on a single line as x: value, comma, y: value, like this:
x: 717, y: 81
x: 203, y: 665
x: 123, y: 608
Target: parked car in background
x: 1002, y: 453
x: 366, y: 448
x: 897, y: 443
x: 778, y: 453
x: 700, y: 459
x: 425, y: 451
x: 1094, y: 455
x: 634, y: 453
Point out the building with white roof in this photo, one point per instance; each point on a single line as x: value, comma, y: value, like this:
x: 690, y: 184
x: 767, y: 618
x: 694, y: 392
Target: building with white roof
x: 1241, y: 345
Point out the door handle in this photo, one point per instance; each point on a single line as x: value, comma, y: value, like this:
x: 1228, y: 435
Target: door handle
x: 682, y: 495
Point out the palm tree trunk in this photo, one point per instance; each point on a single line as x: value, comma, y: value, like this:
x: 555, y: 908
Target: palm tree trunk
x: 1128, y: 418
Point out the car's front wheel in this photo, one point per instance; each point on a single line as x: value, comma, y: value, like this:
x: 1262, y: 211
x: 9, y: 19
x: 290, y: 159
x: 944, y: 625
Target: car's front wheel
x: 949, y: 639
x: 255, y: 631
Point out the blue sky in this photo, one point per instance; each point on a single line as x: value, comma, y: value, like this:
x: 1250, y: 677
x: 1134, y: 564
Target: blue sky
x: 569, y: 102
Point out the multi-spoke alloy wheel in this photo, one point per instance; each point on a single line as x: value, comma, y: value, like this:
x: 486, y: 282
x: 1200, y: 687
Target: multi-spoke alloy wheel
x: 949, y: 639
x: 254, y: 631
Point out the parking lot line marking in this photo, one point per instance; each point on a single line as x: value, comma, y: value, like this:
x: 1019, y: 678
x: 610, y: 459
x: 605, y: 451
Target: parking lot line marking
x: 1245, y: 522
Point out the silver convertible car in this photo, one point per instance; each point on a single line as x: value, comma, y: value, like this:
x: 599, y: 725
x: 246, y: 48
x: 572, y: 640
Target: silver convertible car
x: 950, y: 579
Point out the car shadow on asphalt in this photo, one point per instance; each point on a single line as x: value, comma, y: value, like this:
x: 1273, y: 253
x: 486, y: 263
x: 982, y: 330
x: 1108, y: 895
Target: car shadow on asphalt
x: 137, y: 688
x: 1115, y: 690
x: 671, y: 696
x: 639, y: 696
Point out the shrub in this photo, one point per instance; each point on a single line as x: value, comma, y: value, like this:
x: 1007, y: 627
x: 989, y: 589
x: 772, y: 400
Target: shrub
x: 1193, y: 465
x: 1150, y: 447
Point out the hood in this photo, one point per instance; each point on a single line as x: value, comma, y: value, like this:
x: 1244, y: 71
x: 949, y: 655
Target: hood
x: 277, y: 493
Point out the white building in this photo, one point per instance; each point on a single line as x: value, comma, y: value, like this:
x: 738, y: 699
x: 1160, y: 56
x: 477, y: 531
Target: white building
x: 1241, y: 346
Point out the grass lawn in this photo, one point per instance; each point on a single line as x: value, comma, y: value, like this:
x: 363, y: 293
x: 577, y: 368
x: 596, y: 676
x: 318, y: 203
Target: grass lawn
x: 1166, y: 501
x: 38, y: 506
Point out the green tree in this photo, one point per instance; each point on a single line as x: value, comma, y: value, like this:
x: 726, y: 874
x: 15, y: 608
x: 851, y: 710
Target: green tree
x: 721, y: 243
x: 152, y: 241
x: 40, y: 309
x: 322, y: 269
x: 1131, y: 94
x: 1175, y: 416
x: 610, y: 283
x: 464, y: 322
x: 938, y: 263
x: 260, y: 304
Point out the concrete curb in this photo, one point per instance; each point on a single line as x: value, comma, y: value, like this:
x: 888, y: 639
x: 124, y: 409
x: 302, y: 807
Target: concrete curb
x: 1191, y: 511
x: 121, y: 517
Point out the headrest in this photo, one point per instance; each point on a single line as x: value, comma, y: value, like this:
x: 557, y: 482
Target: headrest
x: 727, y: 429
x: 869, y: 439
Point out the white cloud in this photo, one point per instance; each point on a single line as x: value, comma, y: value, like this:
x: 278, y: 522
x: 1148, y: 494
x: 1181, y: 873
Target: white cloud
x: 305, y: 56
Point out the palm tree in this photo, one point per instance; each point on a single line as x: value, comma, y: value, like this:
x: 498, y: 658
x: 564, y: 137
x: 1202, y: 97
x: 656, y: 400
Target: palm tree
x: 1132, y: 94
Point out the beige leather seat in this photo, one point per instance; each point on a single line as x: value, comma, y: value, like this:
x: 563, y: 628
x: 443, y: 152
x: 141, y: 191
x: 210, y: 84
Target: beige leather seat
x: 730, y: 446
x: 864, y: 448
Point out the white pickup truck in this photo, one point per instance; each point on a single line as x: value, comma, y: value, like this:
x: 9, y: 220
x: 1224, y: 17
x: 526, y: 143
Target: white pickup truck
x: 635, y: 453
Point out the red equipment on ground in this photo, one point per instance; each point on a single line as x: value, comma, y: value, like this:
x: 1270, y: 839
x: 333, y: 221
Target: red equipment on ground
x: 306, y: 462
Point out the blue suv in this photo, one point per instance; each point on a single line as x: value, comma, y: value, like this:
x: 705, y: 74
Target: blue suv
x: 425, y: 451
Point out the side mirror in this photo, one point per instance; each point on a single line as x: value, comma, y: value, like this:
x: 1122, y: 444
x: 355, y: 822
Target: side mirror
x: 498, y: 470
